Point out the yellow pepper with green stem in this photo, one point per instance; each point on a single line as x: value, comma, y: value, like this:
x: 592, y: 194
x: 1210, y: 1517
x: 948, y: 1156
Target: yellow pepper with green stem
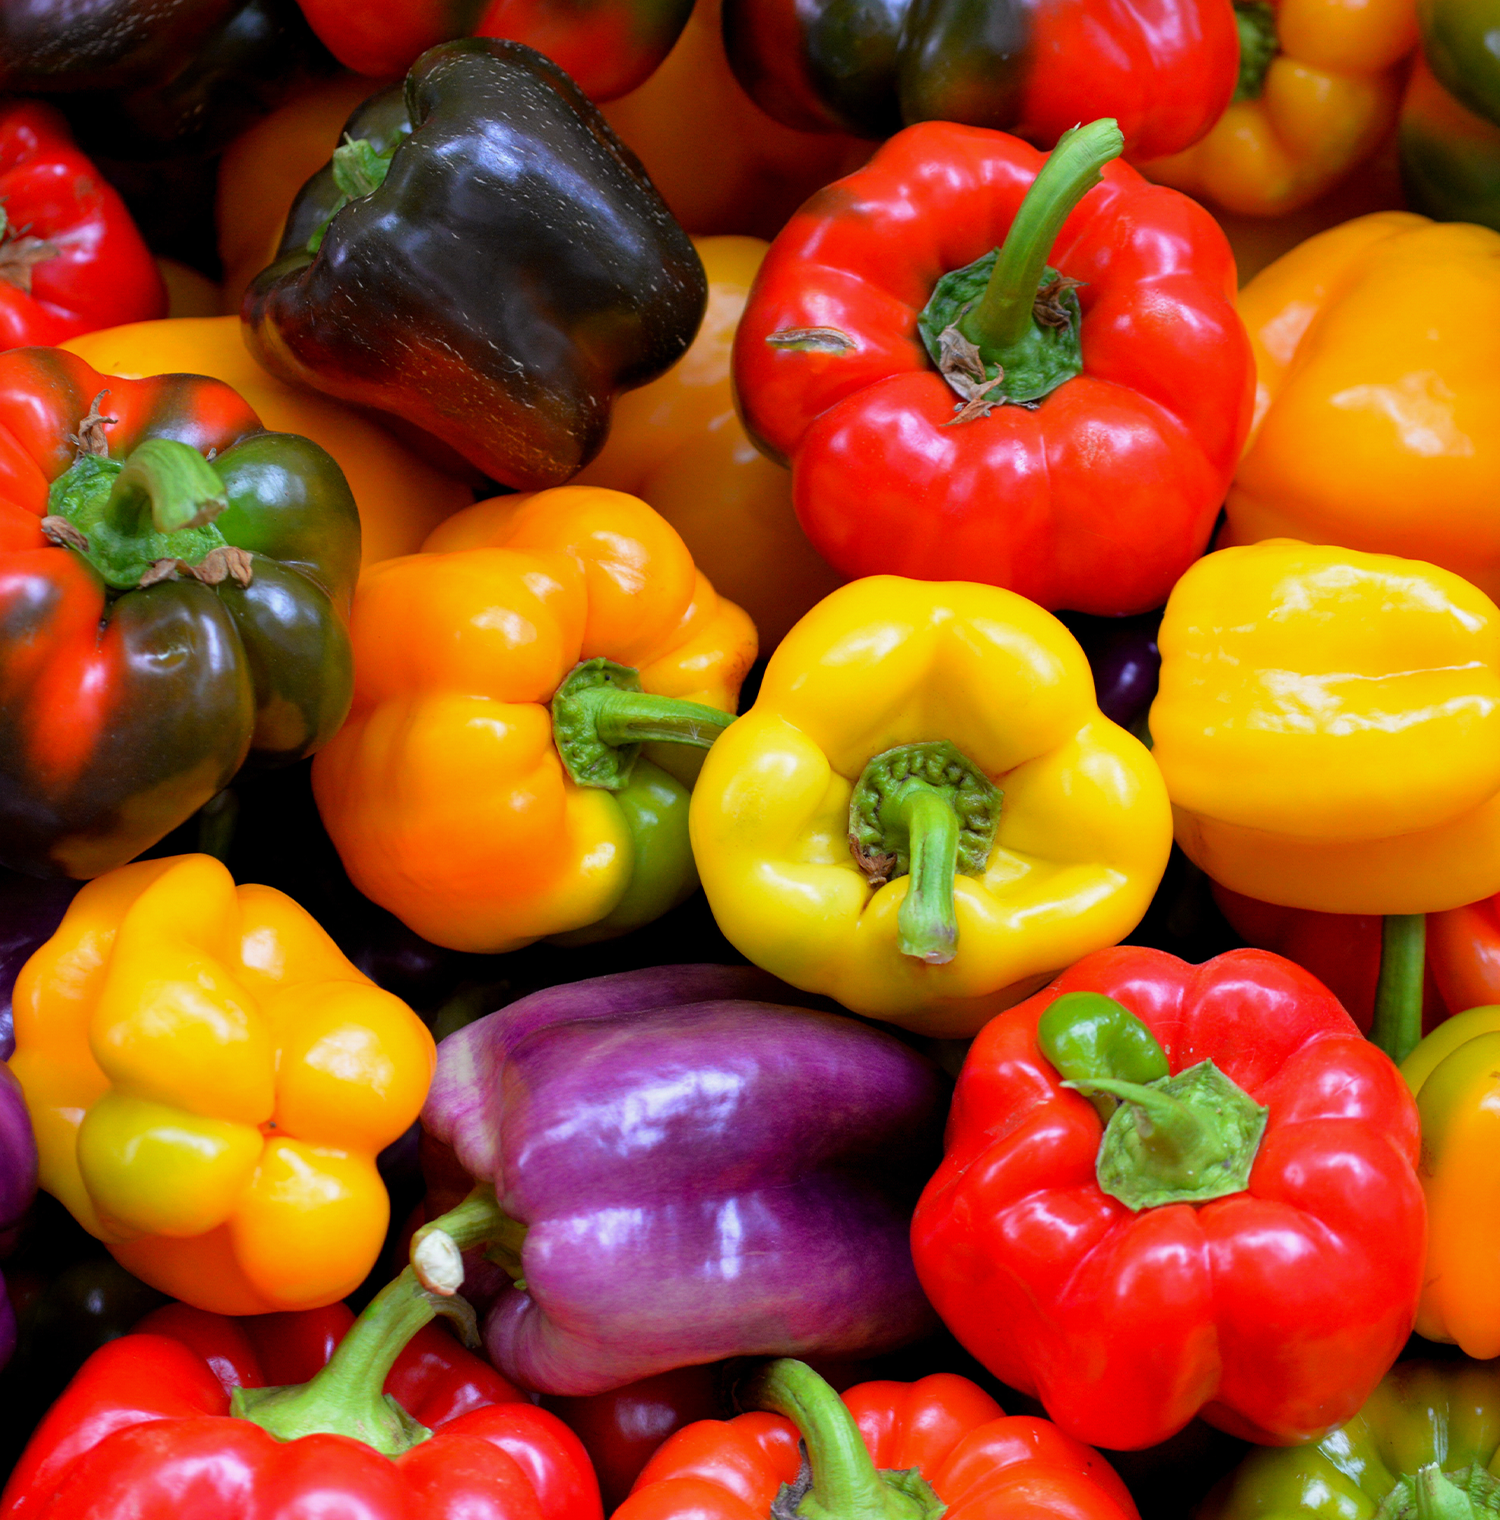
x: 925, y: 814
x: 210, y: 1082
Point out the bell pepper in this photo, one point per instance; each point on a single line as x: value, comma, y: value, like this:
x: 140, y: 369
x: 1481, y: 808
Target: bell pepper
x: 386, y: 1418
x: 1450, y: 158
x: 1317, y: 93
x: 1453, y: 1076
x: 1174, y: 1190
x: 1457, y: 42
x: 488, y: 172
x: 1351, y: 349
x: 18, y: 1173
x: 925, y: 814
x: 1070, y: 444
x: 689, y: 1128
x: 678, y: 445
x: 885, y: 1451
x: 30, y: 911
x: 167, y: 616
x: 400, y: 497
x: 71, y: 259
x: 210, y: 1082
x: 1165, y: 70
x: 607, y: 48
x: 1328, y: 726
x: 737, y: 170
x: 455, y: 799
x: 1424, y: 1445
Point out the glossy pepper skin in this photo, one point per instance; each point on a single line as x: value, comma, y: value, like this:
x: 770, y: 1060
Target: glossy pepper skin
x: 1271, y: 1311
x: 1450, y: 157
x: 510, y: 273
x: 1456, y: 45
x: 1328, y: 725
x: 885, y: 480
x: 765, y: 1155
x: 1080, y: 838
x: 974, y: 1461
x: 1452, y: 1075
x: 1319, y: 85
x: 607, y: 49
x: 1351, y: 350
x: 445, y: 792
x: 210, y: 1082
x: 71, y: 259
x: 147, y: 1425
x: 1165, y: 70
x: 218, y: 643
x: 1425, y: 1419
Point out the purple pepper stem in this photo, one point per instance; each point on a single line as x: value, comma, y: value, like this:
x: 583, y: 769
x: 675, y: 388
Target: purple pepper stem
x: 845, y: 1484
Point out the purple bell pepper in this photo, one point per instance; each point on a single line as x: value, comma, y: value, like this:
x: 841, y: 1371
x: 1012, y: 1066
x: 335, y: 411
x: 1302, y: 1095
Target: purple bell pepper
x: 696, y: 1168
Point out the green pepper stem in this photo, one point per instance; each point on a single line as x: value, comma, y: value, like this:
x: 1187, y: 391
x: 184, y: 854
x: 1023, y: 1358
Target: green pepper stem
x: 1397, y: 1026
x: 437, y: 1248
x: 1175, y: 1136
x: 165, y: 486
x: 845, y: 1483
x: 637, y: 717
x: 1255, y: 21
x: 1086, y: 1036
x: 927, y: 922
x: 1002, y: 317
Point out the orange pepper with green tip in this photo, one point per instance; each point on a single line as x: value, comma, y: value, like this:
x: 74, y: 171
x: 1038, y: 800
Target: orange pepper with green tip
x: 1319, y: 86
x: 489, y: 787
x: 1455, y: 1076
x: 210, y: 1082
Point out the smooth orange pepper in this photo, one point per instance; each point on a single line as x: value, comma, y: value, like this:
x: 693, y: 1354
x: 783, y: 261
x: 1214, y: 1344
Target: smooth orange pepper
x: 445, y: 793
x: 400, y: 497
x: 210, y: 1081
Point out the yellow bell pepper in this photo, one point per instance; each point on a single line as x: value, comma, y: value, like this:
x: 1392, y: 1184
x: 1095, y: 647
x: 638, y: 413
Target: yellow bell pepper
x: 1378, y: 383
x: 1328, y: 724
x: 1320, y: 81
x: 1455, y: 1076
x: 925, y: 814
x: 210, y: 1082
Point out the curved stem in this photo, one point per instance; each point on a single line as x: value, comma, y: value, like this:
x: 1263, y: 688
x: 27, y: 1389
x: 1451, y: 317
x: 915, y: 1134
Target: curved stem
x: 1169, y: 1131
x: 437, y: 1247
x: 165, y: 486
x: 926, y: 922
x: 1002, y: 316
x: 1397, y: 1026
x: 636, y: 717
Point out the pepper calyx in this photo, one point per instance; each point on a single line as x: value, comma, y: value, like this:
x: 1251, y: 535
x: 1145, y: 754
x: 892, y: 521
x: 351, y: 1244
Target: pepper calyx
x: 601, y: 717
x: 1255, y: 21
x: 1463, y: 1493
x: 359, y: 169
x: 928, y: 812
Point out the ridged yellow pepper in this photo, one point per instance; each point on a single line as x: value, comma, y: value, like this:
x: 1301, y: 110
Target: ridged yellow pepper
x: 906, y: 731
x: 1455, y: 1076
x: 1377, y: 388
x: 210, y: 1082
x: 1328, y: 724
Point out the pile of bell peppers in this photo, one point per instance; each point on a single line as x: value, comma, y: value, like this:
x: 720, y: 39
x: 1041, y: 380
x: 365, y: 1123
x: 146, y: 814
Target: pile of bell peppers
x: 749, y: 760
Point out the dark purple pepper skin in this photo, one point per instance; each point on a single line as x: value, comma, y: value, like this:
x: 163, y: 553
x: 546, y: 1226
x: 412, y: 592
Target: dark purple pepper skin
x: 704, y: 1169
x: 30, y: 912
x: 17, y: 1186
x: 1123, y: 655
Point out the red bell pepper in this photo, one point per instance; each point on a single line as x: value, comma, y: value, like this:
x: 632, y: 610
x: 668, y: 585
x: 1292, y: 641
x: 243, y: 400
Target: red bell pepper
x: 184, y: 1419
x: 1061, y: 417
x: 1244, y: 1238
x: 886, y: 1451
x: 71, y: 259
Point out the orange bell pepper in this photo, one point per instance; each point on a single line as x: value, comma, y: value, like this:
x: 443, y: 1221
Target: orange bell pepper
x: 678, y: 444
x: 452, y: 795
x: 210, y: 1082
x: 1320, y: 81
x: 400, y: 498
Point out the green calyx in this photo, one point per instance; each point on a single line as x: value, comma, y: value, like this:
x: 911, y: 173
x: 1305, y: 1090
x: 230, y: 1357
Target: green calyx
x: 359, y: 169
x: 1255, y: 21
x: 838, y: 1481
x: 601, y: 717
x: 928, y: 812
x: 1187, y: 1138
x: 1006, y: 327
x: 146, y: 517
x: 1467, y: 1493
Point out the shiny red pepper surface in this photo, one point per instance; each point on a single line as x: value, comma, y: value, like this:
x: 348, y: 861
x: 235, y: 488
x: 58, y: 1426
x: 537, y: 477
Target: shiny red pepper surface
x: 144, y: 1430
x: 1272, y: 1311
x: 1098, y: 497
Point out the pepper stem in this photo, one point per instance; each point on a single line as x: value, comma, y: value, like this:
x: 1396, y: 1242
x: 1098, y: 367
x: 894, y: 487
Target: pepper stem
x: 1397, y: 1026
x: 926, y: 922
x: 1438, y: 1498
x: 1255, y: 21
x: 844, y: 1482
x: 437, y: 1248
x: 164, y: 487
x: 601, y: 717
x: 1002, y: 317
